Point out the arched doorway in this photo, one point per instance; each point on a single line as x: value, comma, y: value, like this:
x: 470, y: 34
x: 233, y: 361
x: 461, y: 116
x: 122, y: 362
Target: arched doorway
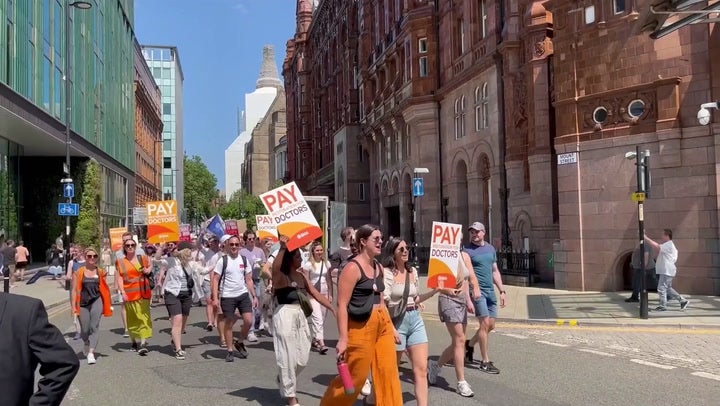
x: 461, y: 194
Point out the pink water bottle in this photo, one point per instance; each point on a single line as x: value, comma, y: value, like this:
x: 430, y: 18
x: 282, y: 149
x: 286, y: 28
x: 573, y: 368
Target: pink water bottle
x: 346, y: 378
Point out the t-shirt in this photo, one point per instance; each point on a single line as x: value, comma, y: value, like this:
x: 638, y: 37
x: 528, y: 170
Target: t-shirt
x: 211, y: 262
x: 22, y: 254
x: 483, y: 257
x: 254, y: 258
x: 635, y: 259
x: 233, y: 284
x: 666, y: 259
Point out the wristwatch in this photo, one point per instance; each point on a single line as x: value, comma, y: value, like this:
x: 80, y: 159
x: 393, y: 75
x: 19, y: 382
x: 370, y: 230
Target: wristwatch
x: 502, y: 292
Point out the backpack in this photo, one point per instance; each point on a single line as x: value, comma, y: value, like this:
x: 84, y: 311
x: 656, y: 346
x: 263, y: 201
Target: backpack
x: 224, y: 268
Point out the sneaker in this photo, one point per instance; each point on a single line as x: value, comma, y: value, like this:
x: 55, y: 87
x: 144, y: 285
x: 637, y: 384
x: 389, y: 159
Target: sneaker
x: 143, y: 350
x: 367, y: 388
x: 463, y: 389
x: 134, y: 347
x: 660, y: 309
x: 180, y: 354
x: 240, y: 347
x: 252, y: 337
x: 209, y: 327
x: 469, y: 350
x: 433, y: 372
x: 91, y: 359
x: 684, y: 304
x: 126, y: 334
x: 632, y: 300
x: 229, y: 357
x: 489, y: 368
x: 86, y: 350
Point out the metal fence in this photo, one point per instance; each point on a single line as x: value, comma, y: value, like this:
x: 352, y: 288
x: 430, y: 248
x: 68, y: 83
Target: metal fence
x: 517, y: 263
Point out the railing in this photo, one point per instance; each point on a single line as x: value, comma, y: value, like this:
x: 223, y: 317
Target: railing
x: 516, y: 263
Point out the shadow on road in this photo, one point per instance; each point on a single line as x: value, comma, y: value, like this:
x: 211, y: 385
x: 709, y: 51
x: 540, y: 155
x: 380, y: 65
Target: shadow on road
x: 264, y: 396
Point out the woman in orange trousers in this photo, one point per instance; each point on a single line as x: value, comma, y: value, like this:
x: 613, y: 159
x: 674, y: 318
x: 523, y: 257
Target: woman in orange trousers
x: 366, y: 335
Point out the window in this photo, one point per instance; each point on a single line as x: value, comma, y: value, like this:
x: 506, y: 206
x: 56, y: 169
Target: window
x: 589, y: 15
x: 167, y: 108
x: 457, y: 120
x: 166, y: 73
x: 636, y: 108
x: 422, y: 46
x: 388, y: 151
x: 407, y: 140
x: 619, y: 6
x: 58, y: 92
x: 481, y: 107
x: 167, y: 145
x: 167, y: 180
x: 398, y: 146
x: 167, y: 162
x: 407, y: 74
x: 483, y: 19
x: 361, y: 192
x: 360, y: 153
x: 157, y: 72
x: 459, y: 37
x: 600, y: 115
x: 423, y: 68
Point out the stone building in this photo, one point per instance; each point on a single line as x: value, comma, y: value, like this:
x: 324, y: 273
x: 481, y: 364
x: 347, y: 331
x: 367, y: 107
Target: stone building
x: 148, y: 133
x: 258, y: 168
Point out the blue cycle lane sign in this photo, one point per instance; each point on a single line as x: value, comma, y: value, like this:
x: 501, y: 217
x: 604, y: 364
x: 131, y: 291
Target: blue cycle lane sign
x: 69, y: 190
x: 68, y: 209
x: 418, y: 187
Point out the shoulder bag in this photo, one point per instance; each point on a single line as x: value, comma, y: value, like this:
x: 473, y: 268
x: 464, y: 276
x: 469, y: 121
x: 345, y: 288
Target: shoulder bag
x: 318, y: 284
x: 303, y: 299
x: 362, y: 313
x: 399, y: 310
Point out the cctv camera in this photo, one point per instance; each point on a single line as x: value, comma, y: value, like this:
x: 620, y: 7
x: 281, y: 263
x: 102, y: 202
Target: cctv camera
x: 703, y: 115
x: 630, y: 155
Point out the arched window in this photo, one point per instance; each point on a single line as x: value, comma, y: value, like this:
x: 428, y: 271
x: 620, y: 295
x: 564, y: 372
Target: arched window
x: 457, y: 120
x: 462, y: 116
x: 481, y: 107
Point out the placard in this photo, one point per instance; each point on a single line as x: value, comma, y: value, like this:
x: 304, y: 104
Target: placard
x: 185, y: 232
x: 116, y: 242
x: 231, y: 227
x: 162, y: 219
x: 266, y: 228
x: 289, y: 210
x: 444, y: 255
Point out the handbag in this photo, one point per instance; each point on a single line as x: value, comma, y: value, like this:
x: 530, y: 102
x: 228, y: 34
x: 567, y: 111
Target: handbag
x: 190, y: 282
x: 318, y: 284
x: 399, y: 310
x: 303, y: 299
x: 362, y: 313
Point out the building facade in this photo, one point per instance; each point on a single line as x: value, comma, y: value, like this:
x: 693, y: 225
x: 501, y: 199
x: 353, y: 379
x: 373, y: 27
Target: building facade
x: 278, y: 164
x: 164, y: 63
x: 148, y: 133
x: 257, y: 104
x: 257, y: 169
x: 33, y: 56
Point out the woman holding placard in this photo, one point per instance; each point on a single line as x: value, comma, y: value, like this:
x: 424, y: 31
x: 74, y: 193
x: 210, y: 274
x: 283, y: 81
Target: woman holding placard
x: 453, y: 307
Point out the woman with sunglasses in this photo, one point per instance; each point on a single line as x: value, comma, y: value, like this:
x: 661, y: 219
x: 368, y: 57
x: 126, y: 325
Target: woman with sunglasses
x: 91, y: 300
x: 133, y: 275
x: 177, y: 282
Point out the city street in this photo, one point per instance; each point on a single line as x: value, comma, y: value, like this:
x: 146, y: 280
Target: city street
x: 540, y: 364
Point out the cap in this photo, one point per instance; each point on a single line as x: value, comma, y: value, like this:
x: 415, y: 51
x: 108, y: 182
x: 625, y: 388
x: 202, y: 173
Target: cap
x: 477, y: 226
x: 224, y: 238
x: 184, y: 245
x: 212, y: 237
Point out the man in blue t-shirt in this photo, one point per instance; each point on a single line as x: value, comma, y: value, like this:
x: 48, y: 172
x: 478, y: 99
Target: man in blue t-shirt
x: 484, y: 262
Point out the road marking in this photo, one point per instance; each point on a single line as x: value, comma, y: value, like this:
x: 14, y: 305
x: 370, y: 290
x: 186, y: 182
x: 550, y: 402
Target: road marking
x: 522, y: 337
x: 605, y: 354
x: 706, y: 375
x: 610, y: 328
x: 651, y: 364
x: 551, y: 343
x: 680, y: 358
x: 623, y: 348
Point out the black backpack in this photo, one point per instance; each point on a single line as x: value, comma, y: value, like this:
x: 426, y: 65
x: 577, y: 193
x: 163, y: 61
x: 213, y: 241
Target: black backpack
x: 224, y: 268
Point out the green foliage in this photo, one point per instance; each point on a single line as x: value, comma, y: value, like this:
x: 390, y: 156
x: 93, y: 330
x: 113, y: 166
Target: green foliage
x: 277, y: 184
x: 200, y: 190
x: 88, y: 230
x: 8, y: 207
x: 242, y: 205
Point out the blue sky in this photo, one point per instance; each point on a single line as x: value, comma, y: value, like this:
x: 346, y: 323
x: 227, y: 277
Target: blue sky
x: 220, y: 45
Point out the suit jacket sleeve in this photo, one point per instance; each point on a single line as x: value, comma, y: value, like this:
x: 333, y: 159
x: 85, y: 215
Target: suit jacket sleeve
x: 58, y: 362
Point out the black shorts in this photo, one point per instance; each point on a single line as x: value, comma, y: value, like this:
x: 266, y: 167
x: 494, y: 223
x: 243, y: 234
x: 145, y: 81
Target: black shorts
x: 242, y: 303
x: 179, y: 304
x: 21, y: 265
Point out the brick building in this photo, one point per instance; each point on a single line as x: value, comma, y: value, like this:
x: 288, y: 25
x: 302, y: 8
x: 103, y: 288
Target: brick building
x: 258, y: 167
x: 148, y: 133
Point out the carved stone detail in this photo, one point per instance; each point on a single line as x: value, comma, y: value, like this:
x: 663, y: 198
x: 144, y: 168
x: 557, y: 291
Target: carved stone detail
x: 616, y: 106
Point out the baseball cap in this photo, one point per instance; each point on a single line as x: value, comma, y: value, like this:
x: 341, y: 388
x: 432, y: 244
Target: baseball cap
x: 212, y: 237
x: 184, y: 245
x: 224, y: 238
x: 477, y: 226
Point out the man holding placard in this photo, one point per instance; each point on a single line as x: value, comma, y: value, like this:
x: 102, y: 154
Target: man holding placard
x: 484, y: 262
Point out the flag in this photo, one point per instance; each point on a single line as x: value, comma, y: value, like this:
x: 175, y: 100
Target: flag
x: 216, y: 226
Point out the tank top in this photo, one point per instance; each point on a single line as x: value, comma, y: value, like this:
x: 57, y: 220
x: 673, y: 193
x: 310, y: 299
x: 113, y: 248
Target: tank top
x: 364, y: 287
x: 287, y: 295
x: 90, y: 291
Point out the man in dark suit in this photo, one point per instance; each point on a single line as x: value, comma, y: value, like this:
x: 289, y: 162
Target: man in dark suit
x: 27, y: 339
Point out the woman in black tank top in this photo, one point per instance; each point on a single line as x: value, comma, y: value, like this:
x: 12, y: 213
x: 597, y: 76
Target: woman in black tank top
x: 291, y: 337
x: 366, y: 335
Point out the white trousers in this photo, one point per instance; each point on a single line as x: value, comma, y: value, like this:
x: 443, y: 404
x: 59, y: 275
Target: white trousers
x: 291, y: 338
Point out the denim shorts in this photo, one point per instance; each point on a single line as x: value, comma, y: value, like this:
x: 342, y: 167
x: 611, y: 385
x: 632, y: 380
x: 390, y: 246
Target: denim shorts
x: 485, y: 307
x: 411, y: 329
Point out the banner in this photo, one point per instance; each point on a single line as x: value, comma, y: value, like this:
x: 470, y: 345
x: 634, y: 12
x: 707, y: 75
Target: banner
x: 266, y: 228
x: 444, y: 255
x: 231, y: 227
x: 216, y: 226
x: 289, y: 210
x: 185, y: 232
x: 162, y: 219
x: 116, y: 238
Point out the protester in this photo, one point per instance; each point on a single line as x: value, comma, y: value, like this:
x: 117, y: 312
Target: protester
x: 317, y: 271
x: 133, y: 274
x: 177, y: 282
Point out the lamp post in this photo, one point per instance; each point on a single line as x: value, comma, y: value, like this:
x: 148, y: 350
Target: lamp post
x: 643, y: 186
x: 81, y: 5
x: 417, y: 172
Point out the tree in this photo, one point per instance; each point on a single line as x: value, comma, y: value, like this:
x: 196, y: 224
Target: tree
x: 88, y: 231
x: 200, y: 189
x: 242, y: 205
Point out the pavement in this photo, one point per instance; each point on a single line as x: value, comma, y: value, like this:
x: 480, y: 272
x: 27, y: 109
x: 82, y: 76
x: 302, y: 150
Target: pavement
x: 531, y: 305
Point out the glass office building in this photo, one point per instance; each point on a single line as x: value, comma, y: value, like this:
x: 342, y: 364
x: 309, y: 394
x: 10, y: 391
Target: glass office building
x: 33, y: 109
x: 164, y: 62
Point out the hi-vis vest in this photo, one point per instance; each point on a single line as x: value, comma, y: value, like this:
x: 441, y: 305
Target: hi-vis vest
x: 135, y: 284
x: 104, y: 291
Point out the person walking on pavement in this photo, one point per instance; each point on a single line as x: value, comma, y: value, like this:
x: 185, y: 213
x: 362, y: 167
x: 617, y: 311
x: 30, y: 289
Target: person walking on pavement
x: 667, y: 255
x: 22, y: 257
x: 28, y: 340
x: 256, y: 257
x: 233, y: 290
x: 133, y: 274
x: 638, y: 273
x: 317, y: 271
x: 119, y: 254
x: 177, y: 282
x: 211, y: 258
x: 366, y: 335
x: 291, y: 338
x: 484, y: 263
x: 91, y: 300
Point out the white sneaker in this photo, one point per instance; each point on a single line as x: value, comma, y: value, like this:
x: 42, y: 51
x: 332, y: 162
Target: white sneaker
x: 433, y: 372
x: 252, y: 337
x: 367, y: 388
x: 91, y: 359
x: 463, y: 389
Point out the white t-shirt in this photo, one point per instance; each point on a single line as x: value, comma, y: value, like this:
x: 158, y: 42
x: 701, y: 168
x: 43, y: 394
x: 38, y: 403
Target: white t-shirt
x: 211, y: 262
x: 666, y: 259
x: 233, y: 284
x: 318, y: 271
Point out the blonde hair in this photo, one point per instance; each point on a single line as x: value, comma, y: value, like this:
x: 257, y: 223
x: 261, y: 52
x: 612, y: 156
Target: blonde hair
x: 314, y: 245
x: 184, y: 256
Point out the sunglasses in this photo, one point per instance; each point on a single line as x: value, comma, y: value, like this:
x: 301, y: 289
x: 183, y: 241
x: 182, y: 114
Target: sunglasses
x: 250, y: 239
x: 402, y: 249
x: 234, y: 244
x: 377, y: 239
x: 130, y: 245
x: 91, y: 256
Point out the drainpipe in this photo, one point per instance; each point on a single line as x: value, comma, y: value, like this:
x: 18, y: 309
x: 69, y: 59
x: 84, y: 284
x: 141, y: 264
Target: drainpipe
x: 438, y: 76
x: 504, y: 216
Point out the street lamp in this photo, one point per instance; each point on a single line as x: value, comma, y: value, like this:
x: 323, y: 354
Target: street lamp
x: 81, y: 5
x: 417, y: 172
x: 643, y: 186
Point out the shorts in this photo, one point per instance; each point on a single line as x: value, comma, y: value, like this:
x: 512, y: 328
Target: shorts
x: 179, y: 304
x: 242, y: 303
x: 21, y: 265
x: 411, y: 330
x: 451, y: 310
x: 485, y: 306
x: 206, y: 290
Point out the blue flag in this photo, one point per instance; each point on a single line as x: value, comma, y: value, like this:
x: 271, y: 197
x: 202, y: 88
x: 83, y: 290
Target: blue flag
x: 216, y: 226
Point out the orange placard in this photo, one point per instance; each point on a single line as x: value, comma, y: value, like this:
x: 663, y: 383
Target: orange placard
x: 266, y: 228
x: 116, y: 238
x: 292, y: 215
x: 444, y: 255
x: 162, y: 222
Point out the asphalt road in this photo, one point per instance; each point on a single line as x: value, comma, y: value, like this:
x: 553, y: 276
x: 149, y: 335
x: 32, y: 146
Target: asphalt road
x: 540, y: 366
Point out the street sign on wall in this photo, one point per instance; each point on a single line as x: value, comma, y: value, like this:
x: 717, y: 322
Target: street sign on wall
x: 139, y: 216
x: 418, y: 187
x: 68, y: 209
x: 566, y: 159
